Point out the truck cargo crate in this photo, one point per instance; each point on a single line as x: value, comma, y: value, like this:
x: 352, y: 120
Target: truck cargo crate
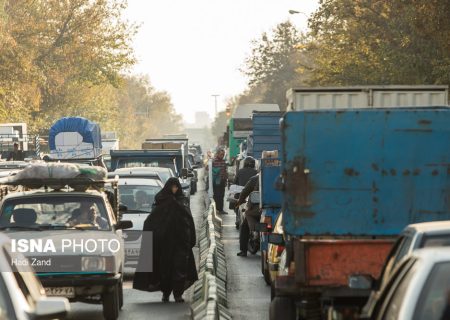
x: 365, y: 171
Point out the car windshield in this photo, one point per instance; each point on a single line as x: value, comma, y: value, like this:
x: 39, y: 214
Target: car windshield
x: 138, y: 197
x: 434, y: 300
x: 54, y: 212
x: 165, y: 175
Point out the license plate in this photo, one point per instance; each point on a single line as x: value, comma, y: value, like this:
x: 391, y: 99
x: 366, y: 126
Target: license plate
x: 132, y: 252
x: 68, y: 292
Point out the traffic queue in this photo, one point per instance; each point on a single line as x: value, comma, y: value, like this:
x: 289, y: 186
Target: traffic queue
x: 352, y: 200
x: 72, y: 231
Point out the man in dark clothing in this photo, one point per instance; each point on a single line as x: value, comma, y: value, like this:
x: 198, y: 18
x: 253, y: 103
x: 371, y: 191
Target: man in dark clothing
x: 16, y: 155
x: 219, y: 175
x: 246, y: 172
x: 252, y: 214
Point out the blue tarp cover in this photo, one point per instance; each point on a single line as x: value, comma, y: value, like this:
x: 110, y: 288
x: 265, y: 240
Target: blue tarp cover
x: 90, y: 131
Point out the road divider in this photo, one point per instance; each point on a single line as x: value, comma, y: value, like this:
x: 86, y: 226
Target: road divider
x: 210, y: 291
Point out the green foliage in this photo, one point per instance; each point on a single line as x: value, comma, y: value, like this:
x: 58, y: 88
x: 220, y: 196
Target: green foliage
x: 272, y: 65
x: 67, y: 58
x: 381, y: 42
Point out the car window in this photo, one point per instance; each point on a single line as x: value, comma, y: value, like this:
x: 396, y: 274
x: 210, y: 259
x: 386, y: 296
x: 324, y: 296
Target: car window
x: 6, y: 310
x: 138, y: 197
x: 155, y: 162
x: 54, y: 212
x: 25, y: 277
x: 434, y: 300
x: 442, y: 240
x: 389, y: 264
x: 390, y: 286
x: 397, y: 298
x: 403, y: 248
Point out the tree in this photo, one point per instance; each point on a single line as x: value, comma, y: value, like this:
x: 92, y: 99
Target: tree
x: 381, y: 42
x: 147, y: 113
x: 59, y: 48
x: 273, y: 63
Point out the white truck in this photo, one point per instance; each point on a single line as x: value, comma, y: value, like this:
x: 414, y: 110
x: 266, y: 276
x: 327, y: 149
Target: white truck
x: 310, y: 98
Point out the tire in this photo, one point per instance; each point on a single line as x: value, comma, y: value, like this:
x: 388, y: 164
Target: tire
x: 110, y: 300
x: 263, y: 262
x: 253, y: 246
x: 265, y: 270
x: 282, y: 308
x: 121, y: 293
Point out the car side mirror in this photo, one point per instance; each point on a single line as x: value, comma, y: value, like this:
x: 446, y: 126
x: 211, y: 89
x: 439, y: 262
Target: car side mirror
x: 51, y: 308
x: 122, y: 207
x: 254, y: 197
x: 262, y: 227
x: 276, y: 239
x: 124, y: 224
x: 361, y: 281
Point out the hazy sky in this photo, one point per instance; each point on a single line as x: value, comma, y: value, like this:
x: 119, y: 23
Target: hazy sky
x: 194, y: 48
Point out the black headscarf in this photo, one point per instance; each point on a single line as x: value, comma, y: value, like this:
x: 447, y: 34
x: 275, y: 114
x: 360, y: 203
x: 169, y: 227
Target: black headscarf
x: 166, y: 192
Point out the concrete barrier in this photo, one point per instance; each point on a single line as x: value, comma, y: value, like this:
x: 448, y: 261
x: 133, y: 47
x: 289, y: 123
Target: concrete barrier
x: 210, y: 291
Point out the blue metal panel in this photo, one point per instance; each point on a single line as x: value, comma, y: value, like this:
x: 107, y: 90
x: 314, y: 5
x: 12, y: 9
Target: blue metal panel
x: 365, y: 172
x: 266, y: 132
x: 270, y: 171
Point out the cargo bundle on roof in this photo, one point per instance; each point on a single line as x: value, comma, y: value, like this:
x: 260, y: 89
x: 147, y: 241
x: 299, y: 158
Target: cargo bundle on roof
x: 75, y: 138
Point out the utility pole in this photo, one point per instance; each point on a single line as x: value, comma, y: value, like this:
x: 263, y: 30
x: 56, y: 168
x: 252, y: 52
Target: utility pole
x: 215, y: 102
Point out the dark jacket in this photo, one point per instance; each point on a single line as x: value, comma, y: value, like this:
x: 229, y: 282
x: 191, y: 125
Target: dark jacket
x: 244, y: 175
x: 174, y: 237
x: 250, y: 186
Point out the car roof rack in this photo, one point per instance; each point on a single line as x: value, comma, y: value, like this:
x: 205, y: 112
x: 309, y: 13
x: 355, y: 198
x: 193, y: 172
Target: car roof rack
x: 77, y: 184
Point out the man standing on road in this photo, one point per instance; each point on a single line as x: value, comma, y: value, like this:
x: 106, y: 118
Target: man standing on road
x: 219, y: 175
x: 252, y: 215
x: 16, y: 155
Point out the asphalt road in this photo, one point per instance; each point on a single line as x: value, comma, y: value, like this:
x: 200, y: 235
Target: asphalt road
x: 145, y: 305
x: 248, y: 294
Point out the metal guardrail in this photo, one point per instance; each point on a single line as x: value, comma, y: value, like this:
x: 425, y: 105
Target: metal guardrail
x: 210, y: 291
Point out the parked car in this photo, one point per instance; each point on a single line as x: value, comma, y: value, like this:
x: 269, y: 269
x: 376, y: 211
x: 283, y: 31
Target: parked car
x: 418, y: 289
x: 58, y: 215
x: 137, y: 194
x: 413, y: 237
x: 22, y: 296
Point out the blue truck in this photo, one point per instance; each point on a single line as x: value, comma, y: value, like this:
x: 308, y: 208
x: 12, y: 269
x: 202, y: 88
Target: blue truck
x: 352, y: 179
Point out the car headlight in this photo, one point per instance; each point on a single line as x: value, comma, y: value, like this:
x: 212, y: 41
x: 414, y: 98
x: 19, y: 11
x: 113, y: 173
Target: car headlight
x: 93, y: 264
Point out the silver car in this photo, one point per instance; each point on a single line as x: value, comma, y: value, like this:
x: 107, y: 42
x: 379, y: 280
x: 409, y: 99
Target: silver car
x: 22, y: 296
x: 418, y: 289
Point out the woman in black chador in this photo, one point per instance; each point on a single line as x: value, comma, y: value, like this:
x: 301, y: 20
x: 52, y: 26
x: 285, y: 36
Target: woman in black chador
x: 173, y: 268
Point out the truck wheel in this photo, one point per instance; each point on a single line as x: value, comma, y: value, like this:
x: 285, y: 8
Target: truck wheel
x: 282, y: 308
x: 110, y: 300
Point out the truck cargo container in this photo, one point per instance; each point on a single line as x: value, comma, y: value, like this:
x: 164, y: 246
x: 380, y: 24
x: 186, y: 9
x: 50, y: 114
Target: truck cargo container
x: 241, y: 125
x: 352, y: 180
x: 319, y: 98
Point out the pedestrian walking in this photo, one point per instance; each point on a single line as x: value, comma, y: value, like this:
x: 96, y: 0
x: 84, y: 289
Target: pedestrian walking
x: 173, y: 236
x: 219, y: 174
